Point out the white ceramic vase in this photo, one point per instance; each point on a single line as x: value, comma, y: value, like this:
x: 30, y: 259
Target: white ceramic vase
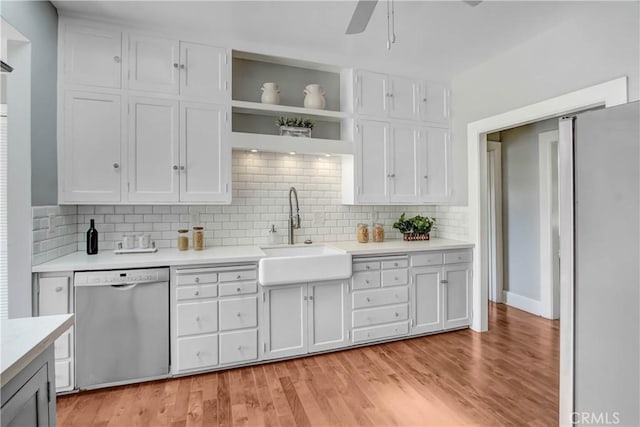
x: 270, y: 93
x: 314, y: 97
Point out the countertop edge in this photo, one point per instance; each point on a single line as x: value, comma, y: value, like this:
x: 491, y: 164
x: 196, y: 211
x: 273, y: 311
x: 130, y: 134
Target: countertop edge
x: 14, y: 369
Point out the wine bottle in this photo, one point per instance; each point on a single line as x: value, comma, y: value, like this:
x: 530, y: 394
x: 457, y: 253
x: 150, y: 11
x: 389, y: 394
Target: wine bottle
x: 92, y: 239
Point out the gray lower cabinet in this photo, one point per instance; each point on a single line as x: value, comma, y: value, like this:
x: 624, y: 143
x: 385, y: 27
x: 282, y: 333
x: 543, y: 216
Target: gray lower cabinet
x: 304, y: 318
x: 440, y: 291
x: 28, y: 399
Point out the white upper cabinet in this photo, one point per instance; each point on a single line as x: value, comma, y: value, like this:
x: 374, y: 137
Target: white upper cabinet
x: 153, y: 150
x: 402, y: 98
x: 205, y: 160
x: 90, y: 164
x: 433, y: 161
x: 403, y: 185
x: 371, y: 162
x: 92, y: 56
x: 203, y: 72
x: 433, y: 103
x: 371, y: 94
x: 154, y: 64
x: 195, y: 71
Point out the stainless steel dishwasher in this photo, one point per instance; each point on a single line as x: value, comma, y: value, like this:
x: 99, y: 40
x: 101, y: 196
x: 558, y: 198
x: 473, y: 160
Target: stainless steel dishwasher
x: 122, y: 326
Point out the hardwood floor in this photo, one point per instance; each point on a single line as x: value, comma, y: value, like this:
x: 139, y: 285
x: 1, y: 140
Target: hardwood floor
x: 507, y: 376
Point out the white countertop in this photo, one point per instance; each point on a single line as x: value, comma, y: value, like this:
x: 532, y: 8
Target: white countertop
x: 25, y: 339
x: 107, y: 260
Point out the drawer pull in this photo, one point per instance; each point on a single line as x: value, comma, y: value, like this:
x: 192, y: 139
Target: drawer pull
x: 444, y: 282
x: 459, y: 258
x: 197, y: 280
x: 395, y: 278
x: 395, y: 330
x: 239, y: 348
x: 311, y: 297
x: 197, y: 354
x: 196, y: 293
x: 396, y: 295
x: 197, y: 318
x: 395, y: 264
x: 238, y: 315
x: 59, y: 289
x: 366, y: 281
x: 367, y: 267
x: 397, y: 314
x: 368, y: 299
x: 239, y: 276
x: 238, y: 289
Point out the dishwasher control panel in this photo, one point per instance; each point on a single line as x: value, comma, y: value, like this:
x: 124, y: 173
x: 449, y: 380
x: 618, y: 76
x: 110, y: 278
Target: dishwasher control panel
x: 122, y: 276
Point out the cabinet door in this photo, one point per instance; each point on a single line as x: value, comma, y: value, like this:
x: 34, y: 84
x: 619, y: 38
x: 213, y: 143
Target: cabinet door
x: 371, y: 94
x: 402, y: 98
x: 204, y: 153
x: 433, y: 164
x: 92, y: 56
x: 285, y: 321
x: 327, y: 323
x: 153, y: 150
x: 91, y: 169
x: 30, y: 405
x: 427, y: 300
x: 53, y: 295
x: 403, y: 168
x: 153, y: 64
x: 371, y: 162
x: 203, y: 72
x: 457, y: 296
x: 434, y: 103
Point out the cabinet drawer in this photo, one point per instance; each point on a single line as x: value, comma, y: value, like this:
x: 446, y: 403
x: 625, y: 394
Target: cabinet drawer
x: 366, y: 279
x: 197, y: 352
x: 457, y: 257
x: 197, y: 318
x: 366, y: 266
x: 234, y: 276
x: 377, y: 297
x: 395, y: 277
x: 62, y: 346
x: 199, y: 291
x: 238, y: 313
x: 63, y: 374
x: 422, y: 260
x: 196, y: 278
x: 376, y: 316
x: 236, y: 347
x: 238, y: 288
x: 395, y: 263
x: 54, y: 295
x: 380, y: 332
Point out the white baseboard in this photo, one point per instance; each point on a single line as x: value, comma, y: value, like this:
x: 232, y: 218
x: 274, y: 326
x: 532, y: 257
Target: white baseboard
x: 523, y: 303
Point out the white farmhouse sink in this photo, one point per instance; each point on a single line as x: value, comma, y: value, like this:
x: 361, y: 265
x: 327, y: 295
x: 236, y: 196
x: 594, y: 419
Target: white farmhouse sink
x: 300, y: 264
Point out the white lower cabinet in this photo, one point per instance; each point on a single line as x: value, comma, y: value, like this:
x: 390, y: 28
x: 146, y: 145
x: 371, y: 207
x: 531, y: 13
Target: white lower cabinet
x: 440, y: 293
x: 304, y: 318
x: 54, y: 296
x: 215, y: 320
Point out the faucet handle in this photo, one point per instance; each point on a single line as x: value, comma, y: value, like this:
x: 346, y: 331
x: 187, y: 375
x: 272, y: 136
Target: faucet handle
x: 298, y: 221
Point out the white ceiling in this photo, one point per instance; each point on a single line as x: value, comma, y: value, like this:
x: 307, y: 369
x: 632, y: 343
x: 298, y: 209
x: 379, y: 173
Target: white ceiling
x: 437, y: 38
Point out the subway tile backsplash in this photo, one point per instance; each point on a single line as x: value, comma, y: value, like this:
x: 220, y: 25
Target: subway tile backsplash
x: 261, y: 184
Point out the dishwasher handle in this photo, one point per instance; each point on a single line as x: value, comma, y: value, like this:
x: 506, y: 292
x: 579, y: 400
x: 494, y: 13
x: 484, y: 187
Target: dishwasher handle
x: 124, y: 286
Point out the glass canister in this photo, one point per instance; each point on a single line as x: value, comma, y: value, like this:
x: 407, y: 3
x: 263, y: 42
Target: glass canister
x: 183, y: 240
x: 363, y: 233
x: 378, y: 233
x: 198, y: 238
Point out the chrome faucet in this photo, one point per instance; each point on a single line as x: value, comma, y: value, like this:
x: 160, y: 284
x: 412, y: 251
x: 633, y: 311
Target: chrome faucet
x: 294, y: 222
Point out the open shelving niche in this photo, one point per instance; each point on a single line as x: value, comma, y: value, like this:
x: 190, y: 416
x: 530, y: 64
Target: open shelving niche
x: 253, y: 123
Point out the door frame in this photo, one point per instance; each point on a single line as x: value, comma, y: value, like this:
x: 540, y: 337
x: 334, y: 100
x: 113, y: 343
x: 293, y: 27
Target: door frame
x: 495, y: 247
x: 610, y: 93
x: 549, y: 256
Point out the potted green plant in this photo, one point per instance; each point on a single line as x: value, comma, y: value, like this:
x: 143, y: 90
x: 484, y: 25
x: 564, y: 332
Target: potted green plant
x: 416, y: 228
x: 295, y: 126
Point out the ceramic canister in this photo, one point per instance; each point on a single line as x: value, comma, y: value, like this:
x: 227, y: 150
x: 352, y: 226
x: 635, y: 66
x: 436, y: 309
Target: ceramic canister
x: 314, y: 97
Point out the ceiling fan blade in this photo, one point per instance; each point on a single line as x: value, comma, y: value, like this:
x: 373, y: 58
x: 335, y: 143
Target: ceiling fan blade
x: 473, y: 3
x: 361, y: 16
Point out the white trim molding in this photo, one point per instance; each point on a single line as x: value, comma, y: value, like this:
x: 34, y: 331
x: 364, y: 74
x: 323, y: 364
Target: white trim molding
x: 606, y: 94
x: 520, y: 302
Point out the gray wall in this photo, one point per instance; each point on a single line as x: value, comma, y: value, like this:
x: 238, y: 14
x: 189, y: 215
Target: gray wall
x: 38, y: 21
x: 521, y: 207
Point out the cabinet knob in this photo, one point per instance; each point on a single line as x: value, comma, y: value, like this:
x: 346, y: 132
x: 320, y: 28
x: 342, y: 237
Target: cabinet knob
x: 395, y: 278
x: 174, y: 167
x: 239, y: 348
x: 116, y: 59
x: 424, y: 99
x: 397, y: 314
x: 239, y: 277
x: 366, y: 281
x: 59, y: 289
x: 196, y: 293
x: 197, y: 354
x: 197, y: 280
x: 116, y: 165
x: 175, y: 65
x: 197, y: 318
x: 182, y: 168
x: 395, y: 264
x: 368, y: 299
x: 391, y: 175
x: 311, y: 297
x: 238, y: 314
x: 368, y: 267
x: 182, y: 67
x: 238, y: 289
x: 426, y: 177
